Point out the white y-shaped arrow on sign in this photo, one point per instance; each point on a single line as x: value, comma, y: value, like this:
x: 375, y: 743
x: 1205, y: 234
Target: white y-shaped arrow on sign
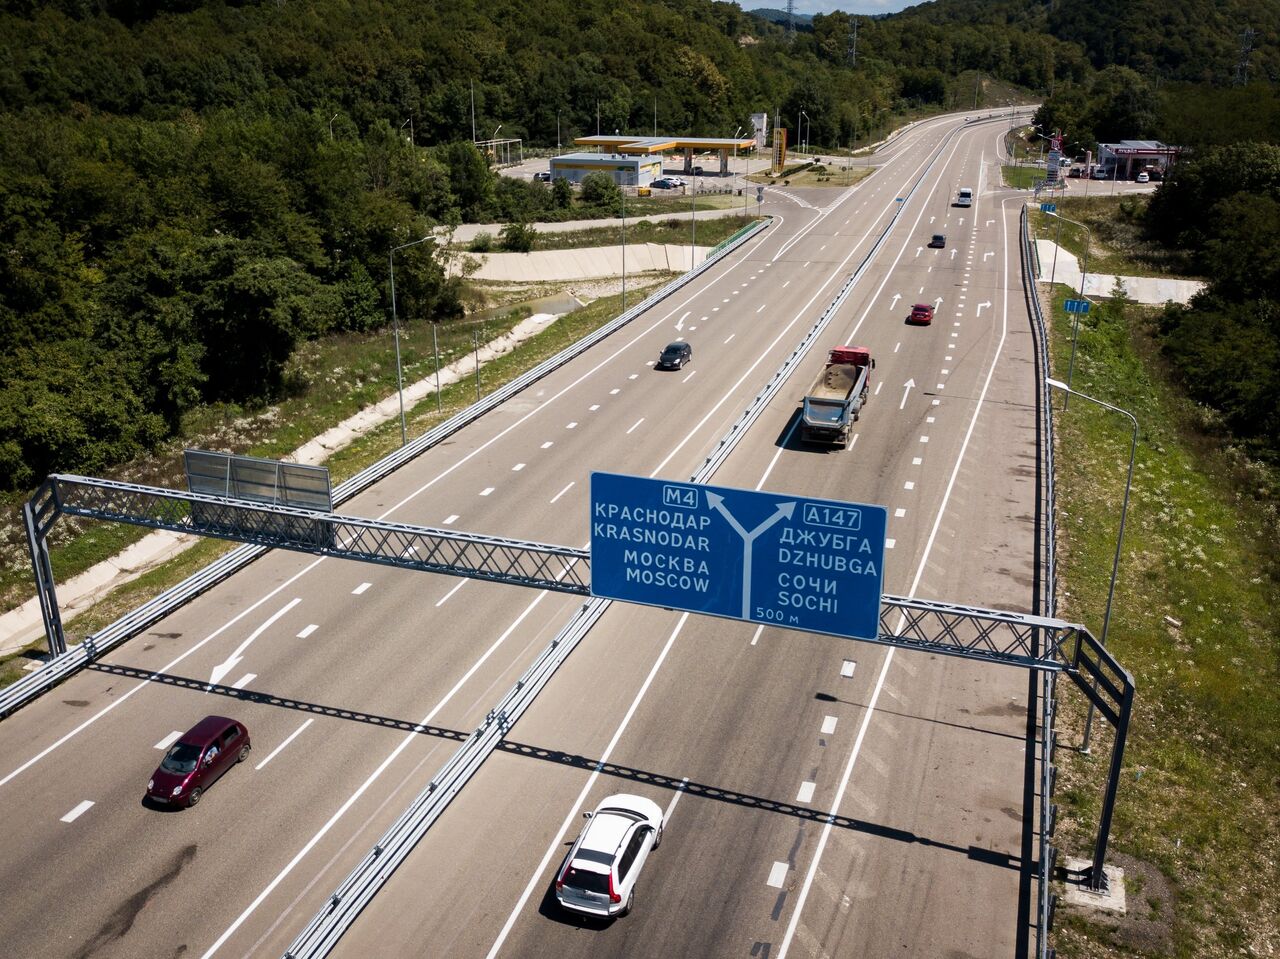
x: 221, y: 670
x: 784, y: 511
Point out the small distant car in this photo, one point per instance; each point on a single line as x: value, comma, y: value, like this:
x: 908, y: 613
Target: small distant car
x: 1100, y: 174
x: 1143, y: 178
x: 674, y: 356
x: 939, y: 240
x: 675, y: 180
x: 697, y: 171
x: 921, y: 314
x: 599, y: 874
x: 542, y: 176
x: 198, y: 759
x: 664, y: 183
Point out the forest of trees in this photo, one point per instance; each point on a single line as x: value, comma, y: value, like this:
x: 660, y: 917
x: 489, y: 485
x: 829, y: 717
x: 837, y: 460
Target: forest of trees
x: 189, y: 189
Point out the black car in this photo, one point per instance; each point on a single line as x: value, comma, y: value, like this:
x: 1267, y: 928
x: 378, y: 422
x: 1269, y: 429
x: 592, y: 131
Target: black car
x: 674, y: 356
x: 939, y: 240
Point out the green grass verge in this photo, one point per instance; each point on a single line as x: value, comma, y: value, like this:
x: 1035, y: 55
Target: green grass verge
x: 1022, y: 177
x: 1115, y: 239
x: 1194, y: 621
x: 709, y: 232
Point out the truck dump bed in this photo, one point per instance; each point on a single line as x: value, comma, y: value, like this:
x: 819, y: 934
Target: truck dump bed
x: 836, y: 396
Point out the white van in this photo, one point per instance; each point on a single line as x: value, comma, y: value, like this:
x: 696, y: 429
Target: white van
x: 965, y: 196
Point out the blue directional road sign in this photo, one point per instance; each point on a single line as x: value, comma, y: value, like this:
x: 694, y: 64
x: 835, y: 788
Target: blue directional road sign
x: 1076, y: 306
x: 1048, y: 208
x: 810, y: 564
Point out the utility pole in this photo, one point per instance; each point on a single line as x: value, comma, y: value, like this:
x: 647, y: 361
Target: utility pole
x: 1242, y: 65
x: 473, y: 111
x: 791, y: 21
x: 853, y: 42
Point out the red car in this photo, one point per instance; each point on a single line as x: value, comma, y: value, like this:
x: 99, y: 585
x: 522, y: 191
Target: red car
x: 201, y: 755
x: 921, y: 314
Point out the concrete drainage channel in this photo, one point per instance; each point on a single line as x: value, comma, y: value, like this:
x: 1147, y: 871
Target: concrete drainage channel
x: 345, y: 904
x: 76, y: 658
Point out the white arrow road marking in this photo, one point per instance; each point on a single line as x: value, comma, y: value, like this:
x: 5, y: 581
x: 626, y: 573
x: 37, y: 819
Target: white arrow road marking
x: 919, y: 250
x: 981, y: 305
x: 954, y: 252
x: 784, y: 510
x: 989, y: 222
x: 680, y: 322
x: 233, y: 660
x: 907, y: 387
x: 987, y: 254
x: 937, y: 304
x: 894, y: 302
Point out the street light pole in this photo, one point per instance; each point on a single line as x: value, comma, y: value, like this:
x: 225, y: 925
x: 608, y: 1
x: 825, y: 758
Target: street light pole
x: 1124, y: 510
x: 395, y: 326
x: 331, y: 119
x: 810, y: 129
x: 1084, y: 273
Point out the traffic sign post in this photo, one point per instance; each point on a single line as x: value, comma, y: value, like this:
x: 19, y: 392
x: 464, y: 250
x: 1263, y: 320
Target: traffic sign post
x: 1048, y: 207
x: 1076, y: 306
x: 792, y: 561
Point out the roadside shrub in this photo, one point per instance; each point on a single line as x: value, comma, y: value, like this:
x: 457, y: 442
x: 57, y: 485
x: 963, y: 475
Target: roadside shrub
x: 517, y: 237
x: 482, y: 243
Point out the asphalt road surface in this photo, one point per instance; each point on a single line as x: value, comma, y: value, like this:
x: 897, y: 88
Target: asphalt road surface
x: 825, y: 797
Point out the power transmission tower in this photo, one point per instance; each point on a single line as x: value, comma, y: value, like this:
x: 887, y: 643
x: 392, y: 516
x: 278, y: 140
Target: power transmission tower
x: 791, y: 21
x: 853, y: 41
x: 1242, y: 65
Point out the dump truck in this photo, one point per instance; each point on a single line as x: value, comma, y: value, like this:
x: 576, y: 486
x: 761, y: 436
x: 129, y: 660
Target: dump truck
x: 836, y: 397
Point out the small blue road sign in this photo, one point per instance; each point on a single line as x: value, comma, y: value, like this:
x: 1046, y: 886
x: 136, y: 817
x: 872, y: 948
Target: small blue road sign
x: 1048, y: 208
x: 1076, y: 306
x: 793, y: 561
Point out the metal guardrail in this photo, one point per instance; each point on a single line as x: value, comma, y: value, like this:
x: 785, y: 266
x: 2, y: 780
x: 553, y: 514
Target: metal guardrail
x: 75, y: 658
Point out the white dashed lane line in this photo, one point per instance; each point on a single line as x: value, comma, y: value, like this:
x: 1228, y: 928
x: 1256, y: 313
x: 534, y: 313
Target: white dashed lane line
x: 308, y: 630
x: 571, y: 426
x: 79, y: 811
x: 450, y: 519
x: 899, y: 513
x: 548, y: 444
x: 517, y: 468
x: 486, y: 491
x: 847, y: 667
x: 777, y: 875
x: 638, y: 422
x: 168, y: 740
x: 443, y: 599
x: 806, y: 791
x: 593, y: 407
x: 685, y: 380
x: 828, y: 725
x: 244, y: 680
x: 359, y: 590
x: 563, y: 491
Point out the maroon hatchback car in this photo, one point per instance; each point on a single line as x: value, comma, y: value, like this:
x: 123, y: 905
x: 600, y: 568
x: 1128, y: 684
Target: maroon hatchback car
x: 194, y: 763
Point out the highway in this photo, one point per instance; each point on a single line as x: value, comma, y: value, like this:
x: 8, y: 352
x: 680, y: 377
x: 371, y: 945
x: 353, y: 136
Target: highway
x: 749, y: 736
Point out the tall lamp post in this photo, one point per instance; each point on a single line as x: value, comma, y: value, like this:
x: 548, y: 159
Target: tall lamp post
x: 735, y: 153
x: 1124, y: 510
x: 1084, y: 273
x: 395, y: 326
x: 808, y: 128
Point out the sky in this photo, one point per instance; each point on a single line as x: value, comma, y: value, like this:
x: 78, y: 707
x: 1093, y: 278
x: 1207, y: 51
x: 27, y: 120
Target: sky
x: 849, y: 6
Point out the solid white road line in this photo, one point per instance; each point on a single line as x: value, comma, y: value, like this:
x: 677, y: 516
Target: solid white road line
x: 441, y: 601
x: 292, y: 736
x: 536, y: 878
x: 79, y: 811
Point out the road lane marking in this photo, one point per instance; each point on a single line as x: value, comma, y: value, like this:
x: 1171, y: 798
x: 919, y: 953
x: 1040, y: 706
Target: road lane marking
x: 899, y: 513
x: 639, y: 421
x: 307, y: 631
x: 359, y: 590
x: 593, y: 408
x: 562, y: 492
x: 548, y: 444
x: 847, y: 668
x: 909, y: 484
x: 220, y: 671
x: 760, y: 307
x: 537, y: 878
x: 615, y: 391
x: 244, y: 680
x: 756, y: 638
x: 572, y: 426
x: 671, y: 806
x: 828, y: 725
x: 731, y: 336
x: 79, y: 811
x: 689, y: 377
x: 806, y: 791
x: 292, y: 736
x: 517, y: 468
x: 450, y: 519
x: 168, y: 740
x: 441, y: 601
x: 778, y: 875
x: 890, y: 543
x: 487, y: 490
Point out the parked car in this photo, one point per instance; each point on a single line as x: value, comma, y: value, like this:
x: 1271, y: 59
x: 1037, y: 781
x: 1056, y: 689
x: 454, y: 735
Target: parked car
x: 674, y: 356
x: 939, y: 240
x: 921, y: 314
x: 1142, y: 177
x: 199, y: 757
x: 697, y: 171
x: 542, y: 176
x: 599, y: 874
x: 1101, y: 174
x: 664, y: 183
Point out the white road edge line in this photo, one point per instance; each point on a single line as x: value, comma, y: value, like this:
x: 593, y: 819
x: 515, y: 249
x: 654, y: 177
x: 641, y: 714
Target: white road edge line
x: 291, y: 737
x: 582, y: 796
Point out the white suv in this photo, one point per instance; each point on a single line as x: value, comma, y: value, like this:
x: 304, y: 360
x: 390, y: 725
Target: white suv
x: 599, y: 875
